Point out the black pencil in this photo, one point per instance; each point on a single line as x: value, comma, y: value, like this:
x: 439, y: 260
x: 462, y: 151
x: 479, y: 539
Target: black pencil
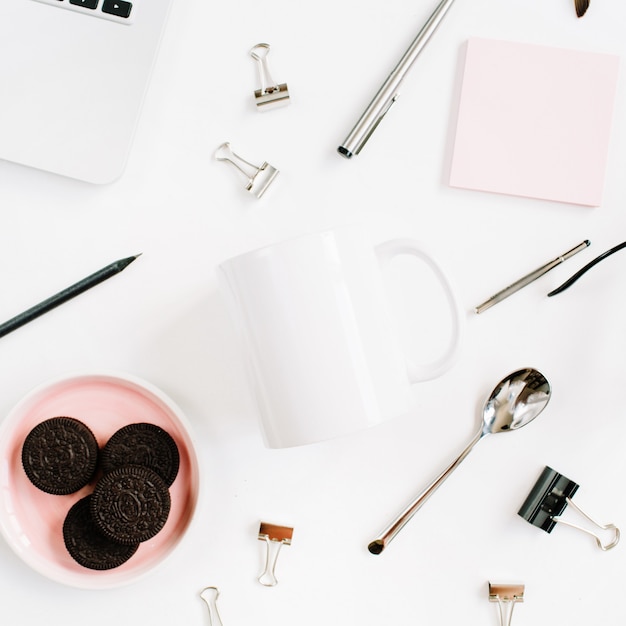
x: 67, y: 294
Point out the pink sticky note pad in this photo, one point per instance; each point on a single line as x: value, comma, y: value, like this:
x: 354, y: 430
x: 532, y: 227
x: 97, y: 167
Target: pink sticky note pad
x: 534, y: 121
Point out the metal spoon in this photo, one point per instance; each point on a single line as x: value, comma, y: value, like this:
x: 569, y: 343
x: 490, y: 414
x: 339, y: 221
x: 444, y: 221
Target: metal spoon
x: 514, y: 402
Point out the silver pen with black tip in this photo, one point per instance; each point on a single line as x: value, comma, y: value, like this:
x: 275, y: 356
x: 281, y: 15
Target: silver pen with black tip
x: 388, y: 93
x: 529, y: 278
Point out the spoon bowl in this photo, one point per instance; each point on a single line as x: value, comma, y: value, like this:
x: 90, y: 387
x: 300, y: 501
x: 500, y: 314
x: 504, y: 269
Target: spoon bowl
x: 514, y: 402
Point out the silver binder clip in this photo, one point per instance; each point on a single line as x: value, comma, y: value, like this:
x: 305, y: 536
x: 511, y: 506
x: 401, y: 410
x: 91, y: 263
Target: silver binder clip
x: 271, y: 94
x: 506, y: 596
x: 259, y: 177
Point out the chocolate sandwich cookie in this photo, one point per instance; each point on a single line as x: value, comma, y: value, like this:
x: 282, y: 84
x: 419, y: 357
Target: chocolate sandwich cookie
x: 142, y: 444
x: 87, y: 545
x: 130, y: 504
x: 59, y: 455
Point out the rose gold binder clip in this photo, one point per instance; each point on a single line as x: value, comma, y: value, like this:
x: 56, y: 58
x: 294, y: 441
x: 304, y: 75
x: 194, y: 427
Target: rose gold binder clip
x: 506, y: 596
x: 209, y: 595
x: 259, y: 177
x: 275, y: 537
x: 270, y: 94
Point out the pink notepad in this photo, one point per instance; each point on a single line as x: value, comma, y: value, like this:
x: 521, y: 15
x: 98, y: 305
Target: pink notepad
x: 534, y: 121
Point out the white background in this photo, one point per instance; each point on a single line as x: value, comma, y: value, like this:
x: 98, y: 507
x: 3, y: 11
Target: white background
x: 164, y: 320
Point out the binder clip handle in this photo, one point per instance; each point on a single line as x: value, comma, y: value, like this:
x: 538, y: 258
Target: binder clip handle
x: 210, y: 595
x: 268, y: 576
x: 603, y: 546
x: 260, y: 53
x: 224, y: 152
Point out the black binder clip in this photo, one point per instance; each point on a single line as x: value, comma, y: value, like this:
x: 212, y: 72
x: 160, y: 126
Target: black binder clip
x: 549, y: 498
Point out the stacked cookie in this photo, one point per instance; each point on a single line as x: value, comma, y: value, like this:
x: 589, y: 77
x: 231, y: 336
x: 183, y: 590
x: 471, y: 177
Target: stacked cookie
x: 130, y: 501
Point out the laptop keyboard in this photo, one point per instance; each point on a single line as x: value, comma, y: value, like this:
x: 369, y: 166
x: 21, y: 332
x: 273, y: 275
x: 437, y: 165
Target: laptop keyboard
x: 122, y: 11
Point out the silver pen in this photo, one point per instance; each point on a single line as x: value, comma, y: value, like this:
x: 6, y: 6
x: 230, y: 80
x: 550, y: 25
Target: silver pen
x: 525, y: 280
x: 388, y: 93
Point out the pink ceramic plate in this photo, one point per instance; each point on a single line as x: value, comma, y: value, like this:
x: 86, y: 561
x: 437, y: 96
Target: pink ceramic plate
x: 31, y: 520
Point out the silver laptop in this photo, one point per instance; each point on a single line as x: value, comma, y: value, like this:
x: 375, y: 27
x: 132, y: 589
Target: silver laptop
x: 73, y: 74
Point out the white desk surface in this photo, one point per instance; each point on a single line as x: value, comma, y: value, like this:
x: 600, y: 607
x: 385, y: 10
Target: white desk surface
x: 164, y: 320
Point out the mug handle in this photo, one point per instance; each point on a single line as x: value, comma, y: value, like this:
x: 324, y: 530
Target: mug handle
x: 419, y: 372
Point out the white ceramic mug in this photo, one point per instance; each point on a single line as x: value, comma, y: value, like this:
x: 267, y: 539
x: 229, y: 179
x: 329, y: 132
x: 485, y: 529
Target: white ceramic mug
x: 322, y: 349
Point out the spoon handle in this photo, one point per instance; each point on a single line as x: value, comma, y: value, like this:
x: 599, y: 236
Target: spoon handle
x: 386, y: 536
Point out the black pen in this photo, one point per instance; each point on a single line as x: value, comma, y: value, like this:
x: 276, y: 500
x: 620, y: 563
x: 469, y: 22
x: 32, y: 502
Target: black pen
x: 67, y: 294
